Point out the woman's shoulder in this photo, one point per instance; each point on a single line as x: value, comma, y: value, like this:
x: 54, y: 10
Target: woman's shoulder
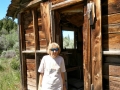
x: 46, y: 56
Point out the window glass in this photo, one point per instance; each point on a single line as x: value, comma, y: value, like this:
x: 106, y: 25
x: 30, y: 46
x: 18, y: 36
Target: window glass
x: 68, y: 39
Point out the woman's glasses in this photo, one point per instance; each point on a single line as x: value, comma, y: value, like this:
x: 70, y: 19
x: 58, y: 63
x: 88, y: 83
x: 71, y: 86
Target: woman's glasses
x: 54, y: 49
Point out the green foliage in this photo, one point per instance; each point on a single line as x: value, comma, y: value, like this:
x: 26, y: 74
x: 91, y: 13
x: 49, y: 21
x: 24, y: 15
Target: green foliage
x: 10, y: 78
x: 68, y: 43
x: 8, y: 34
x: 8, y: 41
x: 1, y: 24
x: 8, y: 24
x: 1, y: 68
x: 15, y: 64
x: 9, y: 55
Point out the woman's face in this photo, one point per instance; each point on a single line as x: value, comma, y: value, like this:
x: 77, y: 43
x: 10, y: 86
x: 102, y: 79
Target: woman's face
x: 54, y: 52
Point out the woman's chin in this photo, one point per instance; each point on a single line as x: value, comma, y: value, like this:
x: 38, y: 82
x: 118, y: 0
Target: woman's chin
x: 54, y: 56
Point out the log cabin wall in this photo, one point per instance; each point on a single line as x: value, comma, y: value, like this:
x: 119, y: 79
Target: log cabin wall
x: 33, y: 44
x: 111, y: 44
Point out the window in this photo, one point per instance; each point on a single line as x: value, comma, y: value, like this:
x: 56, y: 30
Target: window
x: 68, y: 39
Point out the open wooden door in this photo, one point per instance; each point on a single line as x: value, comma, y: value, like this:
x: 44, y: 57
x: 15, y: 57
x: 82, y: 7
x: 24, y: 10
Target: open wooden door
x: 92, y: 48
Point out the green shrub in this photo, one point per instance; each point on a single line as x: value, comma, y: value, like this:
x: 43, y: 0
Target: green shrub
x: 1, y: 68
x: 15, y: 64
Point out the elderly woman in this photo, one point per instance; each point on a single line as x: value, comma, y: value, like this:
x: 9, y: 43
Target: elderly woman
x: 52, y: 70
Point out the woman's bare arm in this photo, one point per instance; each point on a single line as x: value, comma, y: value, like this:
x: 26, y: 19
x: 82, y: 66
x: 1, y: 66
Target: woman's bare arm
x: 63, y: 78
x: 40, y: 80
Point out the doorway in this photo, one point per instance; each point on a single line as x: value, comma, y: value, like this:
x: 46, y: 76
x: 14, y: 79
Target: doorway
x: 68, y: 33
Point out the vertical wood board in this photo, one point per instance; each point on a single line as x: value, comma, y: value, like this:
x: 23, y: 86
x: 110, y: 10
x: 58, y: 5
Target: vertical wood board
x: 45, y: 15
x: 86, y: 57
x: 97, y: 48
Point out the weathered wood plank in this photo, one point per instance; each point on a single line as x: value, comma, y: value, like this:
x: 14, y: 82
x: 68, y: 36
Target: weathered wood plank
x: 111, y: 8
x: 111, y: 42
x: 111, y: 28
x: 78, y: 22
x: 30, y: 30
x: 65, y: 4
x: 32, y: 3
x: 43, y: 42
x: 86, y: 52
x: 30, y: 87
x: 30, y: 60
x: 42, y: 35
x: 56, y: 1
x: 31, y: 74
x: 31, y: 66
x: 77, y: 8
x: 29, y: 36
x: 30, y: 48
x: 30, y: 43
x: 107, y: 2
x: 111, y: 82
x: 111, y: 78
x: 31, y: 81
x: 45, y: 16
x: 111, y: 52
x: 111, y: 19
x: 96, y: 45
x: 23, y: 62
x: 35, y: 29
x: 111, y: 69
x: 28, y: 26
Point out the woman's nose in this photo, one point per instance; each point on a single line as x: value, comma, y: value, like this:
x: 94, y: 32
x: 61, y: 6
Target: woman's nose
x: 54, y: 50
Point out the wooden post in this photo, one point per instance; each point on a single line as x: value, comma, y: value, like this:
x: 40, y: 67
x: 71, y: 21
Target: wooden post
x: 45, y: 14
x: 36, y: 39
x: 96, y: 41
x: 86, y: 51
x: 22, y: 47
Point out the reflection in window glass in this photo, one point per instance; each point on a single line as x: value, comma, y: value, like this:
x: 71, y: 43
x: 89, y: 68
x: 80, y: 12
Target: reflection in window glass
x: 68, y: 39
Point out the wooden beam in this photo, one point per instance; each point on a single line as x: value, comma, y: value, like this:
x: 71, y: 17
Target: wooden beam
x: 22, y: 47
x: 32, y: 3
x: 65, y: 4
x: 86, y: 52
x: 111, y: 52
x: 96, y: 43
x: 46, y: 20
x: 35, y: 29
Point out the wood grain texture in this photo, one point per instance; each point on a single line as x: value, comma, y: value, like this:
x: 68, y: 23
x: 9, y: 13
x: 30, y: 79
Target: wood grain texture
x: 111, y: 69
x: 45, y: 16
x: 111, y: 28
x: 96, y: 45
x: 111, y: 8
x: 111, y: 42
x: 31, y: 74
x: 111, y: 19
x: 86, y: 52
x: 111, y: 82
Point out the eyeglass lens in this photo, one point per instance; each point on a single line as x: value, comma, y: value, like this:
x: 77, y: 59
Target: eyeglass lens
x: 54, y: 49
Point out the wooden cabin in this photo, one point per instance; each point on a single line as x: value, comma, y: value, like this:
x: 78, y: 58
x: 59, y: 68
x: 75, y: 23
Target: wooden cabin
x: 92, y: 54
